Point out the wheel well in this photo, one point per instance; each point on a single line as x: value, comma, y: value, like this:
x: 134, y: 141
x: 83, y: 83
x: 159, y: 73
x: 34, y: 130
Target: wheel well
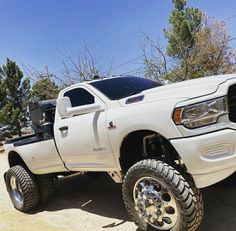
x: 146, y: 144
x: 15, y: 159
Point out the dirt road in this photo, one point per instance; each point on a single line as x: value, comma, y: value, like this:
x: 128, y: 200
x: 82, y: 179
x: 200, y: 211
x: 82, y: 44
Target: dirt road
x: 85, y: 204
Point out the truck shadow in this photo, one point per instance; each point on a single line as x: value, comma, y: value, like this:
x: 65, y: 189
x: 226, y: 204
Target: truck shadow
x: 220, y: 206
x: 101, y: 196
x: 98, y: 195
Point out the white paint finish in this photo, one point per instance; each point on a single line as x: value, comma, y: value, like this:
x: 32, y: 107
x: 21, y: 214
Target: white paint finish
x: 187, y: 89
x: 192, y: 152
x: 40, y: 157
x: 90, y: 145
x: 207, y: 179
x: 86, y: 142
x: 85, y: 145
x: 154, y: 116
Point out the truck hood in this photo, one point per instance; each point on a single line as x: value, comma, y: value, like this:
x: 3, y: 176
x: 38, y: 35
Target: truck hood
x: 187, y: 89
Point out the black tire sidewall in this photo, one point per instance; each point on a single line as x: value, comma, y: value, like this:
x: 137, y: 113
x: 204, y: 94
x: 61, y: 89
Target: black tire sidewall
x: 129, y: 184
x: 10, y: 174
x: 28, y: 184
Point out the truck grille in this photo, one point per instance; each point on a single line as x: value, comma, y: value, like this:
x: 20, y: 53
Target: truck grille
x: 232, y: 103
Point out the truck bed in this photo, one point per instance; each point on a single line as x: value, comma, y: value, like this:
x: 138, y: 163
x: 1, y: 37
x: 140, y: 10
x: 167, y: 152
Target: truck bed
x: 29, y: 139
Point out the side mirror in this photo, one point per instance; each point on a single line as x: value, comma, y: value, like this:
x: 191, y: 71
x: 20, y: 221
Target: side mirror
x: 65, y: 108
x: 62, y: 105
x: 83, y: 109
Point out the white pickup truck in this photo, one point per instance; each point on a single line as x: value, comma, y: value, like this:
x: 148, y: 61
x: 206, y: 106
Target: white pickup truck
x: 162, y: 142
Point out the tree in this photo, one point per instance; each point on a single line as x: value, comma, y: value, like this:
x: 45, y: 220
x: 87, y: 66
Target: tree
x: 155, y: 60
x: 45, y: 85
x: 83, y: 67
x: 212, y: 51
x: 185, y: 23
x: 45, y: 88
x: 198, y: 46
x: 15, y: 91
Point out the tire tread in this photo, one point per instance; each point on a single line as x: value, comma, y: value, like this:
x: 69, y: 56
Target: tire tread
x: 189, y: 196
x: 28, y: 185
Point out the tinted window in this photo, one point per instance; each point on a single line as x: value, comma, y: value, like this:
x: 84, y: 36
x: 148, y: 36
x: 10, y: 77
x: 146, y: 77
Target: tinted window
x: 79, y: 97
x: 118, y: 88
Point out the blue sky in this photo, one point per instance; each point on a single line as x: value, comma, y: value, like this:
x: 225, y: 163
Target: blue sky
x: 38, y: 33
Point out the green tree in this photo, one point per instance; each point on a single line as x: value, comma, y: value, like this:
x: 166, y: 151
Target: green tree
x: 45, y: 88
x: 185, y: 23
x: 197, y: 46
x: 15, y: 92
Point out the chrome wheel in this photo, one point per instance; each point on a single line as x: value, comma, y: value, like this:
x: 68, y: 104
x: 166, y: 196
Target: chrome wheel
x: 16, y: 192
x: 155, y: 203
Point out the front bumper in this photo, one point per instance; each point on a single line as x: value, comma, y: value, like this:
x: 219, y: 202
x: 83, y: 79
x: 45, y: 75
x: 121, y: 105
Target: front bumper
x: 209, y: 158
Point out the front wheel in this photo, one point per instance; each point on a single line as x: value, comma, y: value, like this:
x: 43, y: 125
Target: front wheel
x: 158, y: 196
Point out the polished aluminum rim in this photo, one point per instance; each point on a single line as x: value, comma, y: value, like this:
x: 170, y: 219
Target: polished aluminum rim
x: 16, y: 192
x: 154, y: 203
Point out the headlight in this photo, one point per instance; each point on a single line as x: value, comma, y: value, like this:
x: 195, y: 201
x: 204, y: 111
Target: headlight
x: 201, y: 114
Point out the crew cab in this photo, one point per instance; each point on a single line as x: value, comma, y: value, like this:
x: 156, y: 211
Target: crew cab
x: 163, y: 142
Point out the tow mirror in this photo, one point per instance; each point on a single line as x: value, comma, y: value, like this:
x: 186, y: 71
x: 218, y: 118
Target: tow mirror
x: 65, y: 108
x: 83, y: 109
x: 62, y: 105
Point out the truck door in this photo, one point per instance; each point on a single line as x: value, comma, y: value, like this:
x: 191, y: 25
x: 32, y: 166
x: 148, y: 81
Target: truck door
x: 82, y: 140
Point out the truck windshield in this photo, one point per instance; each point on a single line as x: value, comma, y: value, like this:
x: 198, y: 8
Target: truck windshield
x: 118, y: 88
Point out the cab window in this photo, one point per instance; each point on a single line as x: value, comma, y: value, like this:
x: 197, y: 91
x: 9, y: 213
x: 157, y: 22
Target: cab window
x: 79, y: 97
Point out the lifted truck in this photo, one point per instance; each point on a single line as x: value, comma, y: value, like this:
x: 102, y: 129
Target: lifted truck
x: 162, y: 142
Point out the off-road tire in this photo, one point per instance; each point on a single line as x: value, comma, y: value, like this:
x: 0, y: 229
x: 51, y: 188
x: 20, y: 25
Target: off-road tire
x: 187, y: 196
x: 46, y: 188
x: 28, y: 185
x: 200, y: 204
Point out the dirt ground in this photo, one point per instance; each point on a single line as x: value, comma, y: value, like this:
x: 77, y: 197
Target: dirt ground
x: 85, y: 204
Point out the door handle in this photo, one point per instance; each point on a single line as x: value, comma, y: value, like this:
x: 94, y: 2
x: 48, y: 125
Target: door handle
x: 64, y: 128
